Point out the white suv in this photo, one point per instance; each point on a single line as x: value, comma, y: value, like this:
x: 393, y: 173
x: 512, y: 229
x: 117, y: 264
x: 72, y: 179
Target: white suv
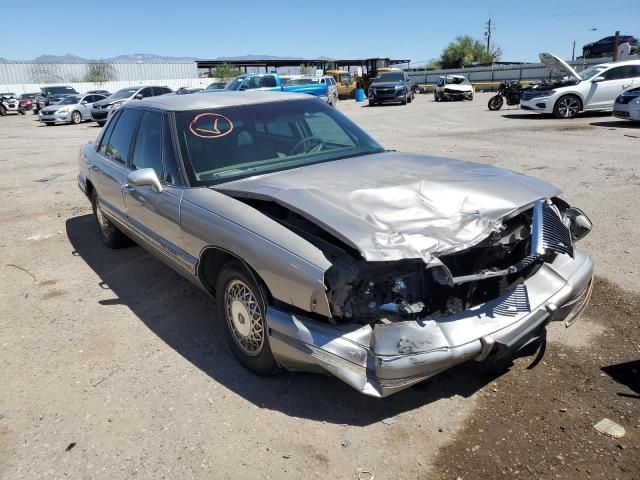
x: 595, y: 88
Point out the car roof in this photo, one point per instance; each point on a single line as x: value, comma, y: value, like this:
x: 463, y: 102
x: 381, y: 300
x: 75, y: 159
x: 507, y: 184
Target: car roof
x: 204, y: 100
x: 618, y: 64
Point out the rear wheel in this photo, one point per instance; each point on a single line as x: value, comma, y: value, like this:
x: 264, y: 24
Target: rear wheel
x: 241, y: 306
x: 21, y: 112
x: 76, y: 118
x: 567, y: 107
x: 495, y: 103
x: 109, y: 233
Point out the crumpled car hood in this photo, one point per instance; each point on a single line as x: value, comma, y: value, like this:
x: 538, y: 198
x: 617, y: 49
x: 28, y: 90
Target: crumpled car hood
x: 393, y: 206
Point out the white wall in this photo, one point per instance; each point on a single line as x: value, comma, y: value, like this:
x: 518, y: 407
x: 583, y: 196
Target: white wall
x: 173, y: 84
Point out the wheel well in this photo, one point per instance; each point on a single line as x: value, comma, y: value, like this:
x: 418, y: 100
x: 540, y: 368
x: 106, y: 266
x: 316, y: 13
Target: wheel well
x: 210, y: 265
x: 89, y: 188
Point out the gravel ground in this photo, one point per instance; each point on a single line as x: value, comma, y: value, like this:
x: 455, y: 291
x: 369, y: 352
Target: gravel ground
x: 112, y: 365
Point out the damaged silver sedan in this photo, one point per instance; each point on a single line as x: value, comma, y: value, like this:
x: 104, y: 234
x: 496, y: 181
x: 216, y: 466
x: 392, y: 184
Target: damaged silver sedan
x: 327, y: 253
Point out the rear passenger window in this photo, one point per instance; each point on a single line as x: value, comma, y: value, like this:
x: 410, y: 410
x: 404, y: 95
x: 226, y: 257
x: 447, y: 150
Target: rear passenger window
x: 120, y: 141
x: 104, y: 140
x: 147, y: 152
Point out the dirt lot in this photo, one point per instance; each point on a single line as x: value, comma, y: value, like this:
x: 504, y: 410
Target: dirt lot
x: 113, y: 366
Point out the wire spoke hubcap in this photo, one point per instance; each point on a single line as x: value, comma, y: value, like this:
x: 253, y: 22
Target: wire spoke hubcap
x: 103, y: 223
x: 244, y: 317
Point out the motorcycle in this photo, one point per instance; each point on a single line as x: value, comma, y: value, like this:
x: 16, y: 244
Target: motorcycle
x: 511, y: 90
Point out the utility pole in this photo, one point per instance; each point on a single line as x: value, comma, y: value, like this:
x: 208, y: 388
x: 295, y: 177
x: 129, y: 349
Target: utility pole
x: 616, y: 45
x: 487, y: 32
x: 573, y: 52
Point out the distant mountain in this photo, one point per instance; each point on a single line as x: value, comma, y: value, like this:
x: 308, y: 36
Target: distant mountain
x: 149, y: 57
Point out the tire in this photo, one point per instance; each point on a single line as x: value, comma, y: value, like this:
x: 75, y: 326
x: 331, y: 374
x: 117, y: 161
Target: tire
x: 471, y: 98
x: 410, y: 98
x: 241, y: 307
x: 436, y: 97
x: 21, y: 112
x: 404, y: 100
x: 567, y: 106
x: 49, y: 124
x: 372, y: 103
x: 76, y: 117
x: 495, y: 103
x: 101, y: 123
x: 109, y: 233
x: 3, y: 111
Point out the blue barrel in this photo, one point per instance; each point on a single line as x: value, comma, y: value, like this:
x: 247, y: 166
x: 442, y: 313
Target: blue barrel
x: 359, y: 94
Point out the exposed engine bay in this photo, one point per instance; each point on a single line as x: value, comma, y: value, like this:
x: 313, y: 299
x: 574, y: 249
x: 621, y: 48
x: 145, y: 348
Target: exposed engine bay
x: 369, y: 292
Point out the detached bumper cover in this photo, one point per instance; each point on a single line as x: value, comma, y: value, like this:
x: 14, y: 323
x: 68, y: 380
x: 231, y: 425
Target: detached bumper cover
x: 387, y: 358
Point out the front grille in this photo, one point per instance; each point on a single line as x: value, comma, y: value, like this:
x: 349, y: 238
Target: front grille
x: 517, y: 302
x: 385, y: 91
x: 548, y: 233
x: 625, y: 99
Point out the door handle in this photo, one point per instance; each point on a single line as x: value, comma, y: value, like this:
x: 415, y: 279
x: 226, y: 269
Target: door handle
x: 93, y: 168
x: 128, y: 188
x: 624, y: 87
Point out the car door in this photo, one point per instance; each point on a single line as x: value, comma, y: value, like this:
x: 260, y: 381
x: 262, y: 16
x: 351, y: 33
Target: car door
x: 153, y: 215
x: 606, y: 87
x: 109, y: 170
x: 84, y: 107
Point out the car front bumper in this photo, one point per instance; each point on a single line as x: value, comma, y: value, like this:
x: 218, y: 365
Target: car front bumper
x: 626, y: 111
x: 538, y: 104
x: 387, y: 358
x: 388, y: 95
x: 467, y: 95
x: 54, y: 117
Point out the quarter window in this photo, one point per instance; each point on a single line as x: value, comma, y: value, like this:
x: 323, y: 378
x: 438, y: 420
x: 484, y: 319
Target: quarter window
x: 104, y: 141
x: 120, y: 141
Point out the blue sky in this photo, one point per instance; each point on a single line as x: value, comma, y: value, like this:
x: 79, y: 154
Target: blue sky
x: 417, y: 30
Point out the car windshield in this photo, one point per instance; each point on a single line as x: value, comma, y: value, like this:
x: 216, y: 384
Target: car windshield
x: 7, y: 94
x: 71, y: 100
x: 390, y: 77
x: 345, y: 78
x: 591, y: 72
x: 216, y: 86
x: 225, y: 144
x: 457, y: 81
x: 59, y: 90
x: 235, y: 83
x: 124, y: 93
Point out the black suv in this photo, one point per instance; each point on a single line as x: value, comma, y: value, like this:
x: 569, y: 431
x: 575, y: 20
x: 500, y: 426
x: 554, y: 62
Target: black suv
x: 604, y: 47
x: 391, y: 87
x: 51, y: 96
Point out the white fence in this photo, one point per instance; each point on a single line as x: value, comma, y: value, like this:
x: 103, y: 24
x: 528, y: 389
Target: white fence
x: 83, y: 87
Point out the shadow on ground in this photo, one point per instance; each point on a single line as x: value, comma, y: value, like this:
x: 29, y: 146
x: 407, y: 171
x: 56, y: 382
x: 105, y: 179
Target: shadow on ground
x: 619, y: 124
x: 544, y: 116
x: 182, y: 316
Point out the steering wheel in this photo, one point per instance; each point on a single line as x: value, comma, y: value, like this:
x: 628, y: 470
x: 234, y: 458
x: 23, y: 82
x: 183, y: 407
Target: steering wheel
x: 319, y: 143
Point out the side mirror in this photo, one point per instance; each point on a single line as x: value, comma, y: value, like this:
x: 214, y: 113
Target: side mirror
x: 84, y: 102
x: 139, y: 96
x: 145, y: 177
x: 598, y: 79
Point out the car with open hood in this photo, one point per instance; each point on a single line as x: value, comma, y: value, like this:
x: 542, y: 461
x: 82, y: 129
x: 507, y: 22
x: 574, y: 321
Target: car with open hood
x: 101, y: 111
x: 51, y: 95
x: 328, y: 253
x: 453, y: 87
x: 592, y: 89
x: 71, y: 109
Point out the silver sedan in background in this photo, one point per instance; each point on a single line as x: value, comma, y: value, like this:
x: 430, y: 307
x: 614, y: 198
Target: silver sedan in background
x: 71, y: 109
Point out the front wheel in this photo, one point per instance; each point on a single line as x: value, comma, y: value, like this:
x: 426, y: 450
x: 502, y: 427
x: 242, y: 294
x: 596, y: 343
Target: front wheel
x: 241, y: 306
x: 3, y: 111
x: 76, y: 118
x: 495, y: 103
x: 372, y: 103
x: 567, y: 107
x: 436, y: 97
x: 101, y: 123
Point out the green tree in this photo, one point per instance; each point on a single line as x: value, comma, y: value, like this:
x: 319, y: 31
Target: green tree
x: 225, y: 71
x: 464, y: 51
x: 99, y: 72
x: 433, y: 64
